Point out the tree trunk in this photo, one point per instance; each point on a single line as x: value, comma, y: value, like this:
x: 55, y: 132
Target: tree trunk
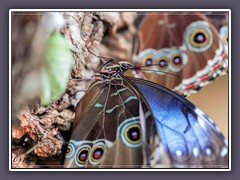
x: 40, y: 133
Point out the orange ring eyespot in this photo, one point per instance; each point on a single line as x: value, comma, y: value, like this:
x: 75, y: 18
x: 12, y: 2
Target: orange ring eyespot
x: 198, y: 36
x: 146, y: 59
x: 163, y: 64
x: 97, y: 153
x: 132, y: 134
x: 162, y: 61
x: 177, y: 60
x: 69, y: 151
x: 82, y: 155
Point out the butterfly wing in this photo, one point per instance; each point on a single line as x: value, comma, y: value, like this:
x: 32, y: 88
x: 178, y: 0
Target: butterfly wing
x: 185, y: 44
x: 113, y: 128
x: 220, y: 22
x: 190, y: 136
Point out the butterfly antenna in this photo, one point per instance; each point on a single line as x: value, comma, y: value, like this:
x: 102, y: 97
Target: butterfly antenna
x: 79, y: 79
x: 106, y: 63
x: 142, y: 68
x: 163, y: 72
x: 100, y: 57
x: 109, y: 59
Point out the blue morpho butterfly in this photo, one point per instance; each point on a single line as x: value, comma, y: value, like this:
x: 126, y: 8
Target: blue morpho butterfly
x: 125, y: 122
x: 192, y: 45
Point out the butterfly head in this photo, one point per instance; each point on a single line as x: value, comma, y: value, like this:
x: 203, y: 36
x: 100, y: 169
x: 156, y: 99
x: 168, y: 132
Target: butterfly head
x: 124, y: 65
x: 121, y: 67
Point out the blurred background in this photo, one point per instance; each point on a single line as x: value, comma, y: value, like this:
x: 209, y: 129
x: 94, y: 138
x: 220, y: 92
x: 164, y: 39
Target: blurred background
x: 213, y: 100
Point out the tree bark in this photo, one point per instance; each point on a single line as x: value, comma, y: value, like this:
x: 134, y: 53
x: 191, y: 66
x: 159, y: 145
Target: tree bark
x: 41, y: 133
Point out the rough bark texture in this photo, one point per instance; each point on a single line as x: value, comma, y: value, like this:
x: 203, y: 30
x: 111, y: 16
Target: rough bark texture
x: 40, y: 134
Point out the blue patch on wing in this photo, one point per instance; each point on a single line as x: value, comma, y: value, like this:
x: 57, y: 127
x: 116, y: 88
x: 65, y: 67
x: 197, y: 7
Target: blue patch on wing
x: 188, y: 134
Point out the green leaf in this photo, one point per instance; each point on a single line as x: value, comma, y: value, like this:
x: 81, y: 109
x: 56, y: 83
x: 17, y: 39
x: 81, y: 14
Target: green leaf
x: 57, y: 68
x: 46, y: 88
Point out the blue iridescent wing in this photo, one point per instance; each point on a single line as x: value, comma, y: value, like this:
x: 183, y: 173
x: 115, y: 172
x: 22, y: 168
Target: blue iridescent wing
x: 190, y: 136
